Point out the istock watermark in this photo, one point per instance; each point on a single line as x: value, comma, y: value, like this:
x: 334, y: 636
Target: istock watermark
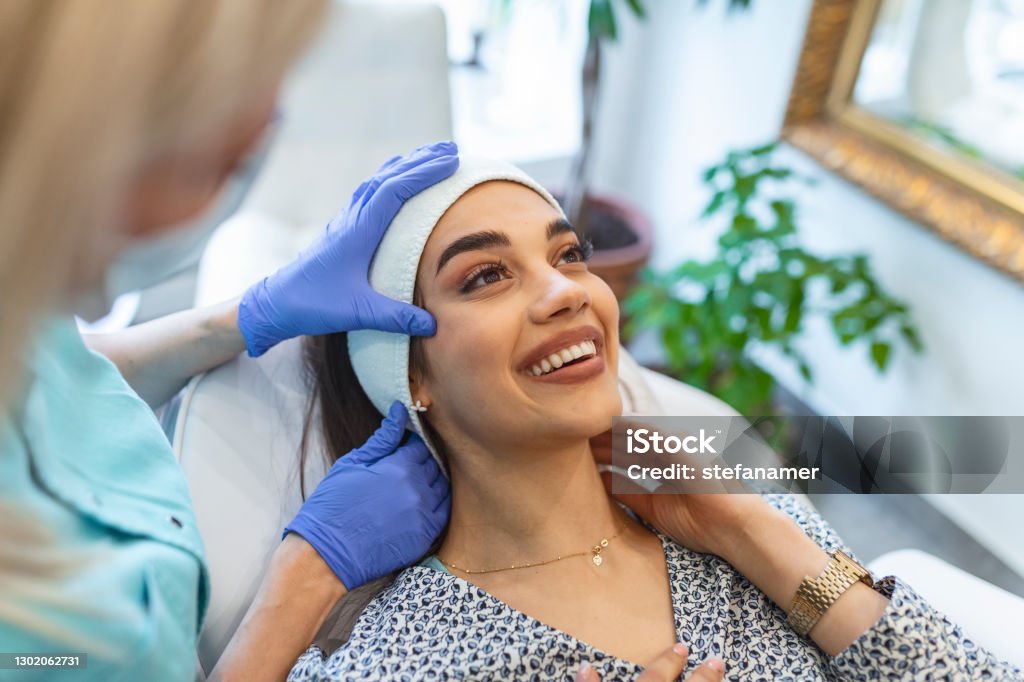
x: 641, y: 441
x: 864, y: 455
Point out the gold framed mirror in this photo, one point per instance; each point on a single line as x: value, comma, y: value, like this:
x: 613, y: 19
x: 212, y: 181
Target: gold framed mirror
x: 921, y: 103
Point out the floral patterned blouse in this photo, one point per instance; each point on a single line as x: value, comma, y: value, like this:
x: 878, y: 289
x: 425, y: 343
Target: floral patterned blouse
x: 432, y: 625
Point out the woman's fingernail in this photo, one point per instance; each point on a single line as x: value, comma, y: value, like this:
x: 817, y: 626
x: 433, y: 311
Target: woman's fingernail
x: 584, y: 668
x: 680, y: 649
x: 716, y: 664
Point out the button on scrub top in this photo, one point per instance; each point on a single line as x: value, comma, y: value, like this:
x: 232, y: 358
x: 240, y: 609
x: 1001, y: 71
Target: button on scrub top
x: 116, y: 568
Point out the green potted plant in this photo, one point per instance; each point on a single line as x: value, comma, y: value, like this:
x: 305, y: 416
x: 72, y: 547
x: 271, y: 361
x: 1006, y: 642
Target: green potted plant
x: 759, y: 289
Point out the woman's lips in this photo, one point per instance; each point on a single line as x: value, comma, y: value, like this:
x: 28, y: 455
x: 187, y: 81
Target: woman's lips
x: 563, y: 341
x: 574, y: 373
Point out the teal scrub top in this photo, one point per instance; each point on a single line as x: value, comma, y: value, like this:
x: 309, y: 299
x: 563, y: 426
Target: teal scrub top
x: 84, y: 458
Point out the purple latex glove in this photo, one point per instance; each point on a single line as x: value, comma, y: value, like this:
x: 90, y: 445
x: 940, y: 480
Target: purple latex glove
x: 326, y: 289
x: 379, y: 508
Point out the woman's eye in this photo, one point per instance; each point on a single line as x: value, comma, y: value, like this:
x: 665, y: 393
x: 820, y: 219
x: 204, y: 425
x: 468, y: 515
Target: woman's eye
x: 488, y: 274
x: 577, y: 253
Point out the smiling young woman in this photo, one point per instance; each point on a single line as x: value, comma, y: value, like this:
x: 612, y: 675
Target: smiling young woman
x: 540, y: 570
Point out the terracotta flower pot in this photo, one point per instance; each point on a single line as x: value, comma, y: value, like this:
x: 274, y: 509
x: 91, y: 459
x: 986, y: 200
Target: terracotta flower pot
x: 620, y: 265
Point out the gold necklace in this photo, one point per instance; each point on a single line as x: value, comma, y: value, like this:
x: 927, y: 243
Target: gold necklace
x: 594, y: 551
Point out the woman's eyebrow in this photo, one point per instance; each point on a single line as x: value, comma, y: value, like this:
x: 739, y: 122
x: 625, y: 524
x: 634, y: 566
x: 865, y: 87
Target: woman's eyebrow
x: 472, y: 242
x: 559, y: 226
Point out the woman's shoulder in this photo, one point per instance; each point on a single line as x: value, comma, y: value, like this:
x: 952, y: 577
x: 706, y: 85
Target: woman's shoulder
x: 421, y: 600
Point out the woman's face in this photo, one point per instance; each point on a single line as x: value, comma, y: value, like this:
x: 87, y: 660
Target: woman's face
x: 504, y: 276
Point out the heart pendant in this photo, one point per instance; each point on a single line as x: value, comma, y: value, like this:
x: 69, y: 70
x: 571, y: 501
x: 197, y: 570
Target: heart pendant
x: 597, y: 559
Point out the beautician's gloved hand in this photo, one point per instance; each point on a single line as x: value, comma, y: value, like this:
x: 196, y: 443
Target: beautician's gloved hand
x: 326, y: 289
x: 379, y: 508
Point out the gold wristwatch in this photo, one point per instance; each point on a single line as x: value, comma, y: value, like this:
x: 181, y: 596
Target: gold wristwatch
x: 817, y: 594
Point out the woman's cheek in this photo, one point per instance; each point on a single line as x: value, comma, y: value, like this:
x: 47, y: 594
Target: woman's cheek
x: 607, y: 309
x: 465, y: 343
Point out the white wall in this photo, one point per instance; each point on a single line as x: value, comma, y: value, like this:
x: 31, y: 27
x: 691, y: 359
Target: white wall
x: 688, y: 85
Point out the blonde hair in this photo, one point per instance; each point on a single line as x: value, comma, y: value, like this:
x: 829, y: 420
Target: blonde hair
x: 90, y: 90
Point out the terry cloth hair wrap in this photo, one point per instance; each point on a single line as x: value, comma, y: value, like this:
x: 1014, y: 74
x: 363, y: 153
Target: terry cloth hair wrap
x: 381, y: 359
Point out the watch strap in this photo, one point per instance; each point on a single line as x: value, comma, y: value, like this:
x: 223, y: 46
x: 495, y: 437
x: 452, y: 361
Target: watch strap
x: 816, y: 595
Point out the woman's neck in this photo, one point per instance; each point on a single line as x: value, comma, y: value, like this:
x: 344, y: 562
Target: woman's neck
x: 514, y: 506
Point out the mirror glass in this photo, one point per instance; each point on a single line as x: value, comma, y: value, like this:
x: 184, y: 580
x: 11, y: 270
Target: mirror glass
x: 951, y: 74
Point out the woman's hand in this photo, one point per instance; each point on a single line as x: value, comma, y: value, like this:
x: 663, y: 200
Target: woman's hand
x: 762, y: 543
x: 703, y: 522
x: 666, y: 668
x: 326, y: 290
x: 379, y: 507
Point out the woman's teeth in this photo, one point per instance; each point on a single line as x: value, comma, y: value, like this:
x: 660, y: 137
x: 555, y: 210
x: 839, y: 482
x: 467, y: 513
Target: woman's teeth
x: 584, y: 349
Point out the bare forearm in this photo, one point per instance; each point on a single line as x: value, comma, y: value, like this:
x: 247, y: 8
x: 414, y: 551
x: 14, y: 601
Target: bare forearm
x: 296, y: 596
x: 774, y: 553
x: 157, y: 358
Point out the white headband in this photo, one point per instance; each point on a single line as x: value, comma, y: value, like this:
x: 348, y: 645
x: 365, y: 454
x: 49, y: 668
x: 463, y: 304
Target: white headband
x: 381, y: 359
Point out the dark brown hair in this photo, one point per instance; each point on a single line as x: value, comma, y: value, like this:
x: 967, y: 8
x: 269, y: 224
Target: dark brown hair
x: 347, y: 416
x: 346, y: 419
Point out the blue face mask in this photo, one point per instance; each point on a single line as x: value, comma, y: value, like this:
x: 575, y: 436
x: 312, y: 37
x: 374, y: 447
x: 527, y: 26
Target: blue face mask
x: 152, y: 261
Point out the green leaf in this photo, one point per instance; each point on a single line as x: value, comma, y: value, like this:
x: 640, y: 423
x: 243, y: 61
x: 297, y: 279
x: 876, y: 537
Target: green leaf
x: 763, y: 317
x: 601, y: 20
x: 764, y: 149
x: 795, y: 311
x: 730, y: 240
x: 744, y: 186
x: 861, y: 266
x: 778, y: 286
x: 716, y: 203
x: 675, y: 349
x: 912, y: 338
x: 880, y: 355
x: 805, y: 372
x: 840, y: 280
x: 638, y: 8
x: 846, y: 325
x: 735, y: 305
x: 783, y: 210
x: 703, y: 273
x: 744, y: 224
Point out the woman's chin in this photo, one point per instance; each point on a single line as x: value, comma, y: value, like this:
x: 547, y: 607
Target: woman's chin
x: 588, y: 416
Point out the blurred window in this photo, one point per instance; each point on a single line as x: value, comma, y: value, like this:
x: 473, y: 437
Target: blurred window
x: 515, y: 76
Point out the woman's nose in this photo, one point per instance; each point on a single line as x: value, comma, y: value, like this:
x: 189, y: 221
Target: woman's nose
x: 558, y: 296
